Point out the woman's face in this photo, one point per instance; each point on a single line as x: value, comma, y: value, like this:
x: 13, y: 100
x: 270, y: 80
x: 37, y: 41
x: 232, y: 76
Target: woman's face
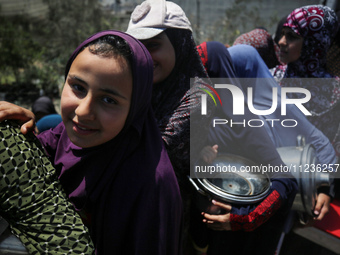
x: 95, y: 101
x: 290, y: 45
x: 163, y: 56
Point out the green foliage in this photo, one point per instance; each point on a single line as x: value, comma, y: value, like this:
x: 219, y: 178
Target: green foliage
x: 68, y: 24
x: 18, y: 49
x: 241, y: 17
x: 35, y: 52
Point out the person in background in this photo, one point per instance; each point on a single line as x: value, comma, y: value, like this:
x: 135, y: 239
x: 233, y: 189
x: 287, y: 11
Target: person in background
x: 46, y: 114
x: 243, y: 229
x: 244, y: 62
x: 176, y: 100
x: 263, y: 42
x: 306, y: 38
x: 166, y: 32
x: 249, y: 65
x: 108, y: 151
x: 43, y: 106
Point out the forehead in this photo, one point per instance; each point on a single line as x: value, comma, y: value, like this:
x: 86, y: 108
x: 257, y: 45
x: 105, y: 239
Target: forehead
x: 100, y: 66
x: 290, y: 32
x: 92, y: 52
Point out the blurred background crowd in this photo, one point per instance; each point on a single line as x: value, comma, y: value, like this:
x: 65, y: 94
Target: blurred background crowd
x: 37, y: 36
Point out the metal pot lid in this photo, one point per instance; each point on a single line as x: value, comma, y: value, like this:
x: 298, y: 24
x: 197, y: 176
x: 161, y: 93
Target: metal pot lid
x: 238, y: 184
x: 234, y: 184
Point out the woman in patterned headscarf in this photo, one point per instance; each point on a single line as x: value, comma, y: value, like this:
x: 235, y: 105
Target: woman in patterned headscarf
x: 263, y: 42
x: 306, y: 38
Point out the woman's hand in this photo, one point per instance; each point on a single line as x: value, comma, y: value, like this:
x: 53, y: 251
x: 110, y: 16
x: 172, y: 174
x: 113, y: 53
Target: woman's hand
x: 15, y: 112
x: 218, y: 222
x: 209, y: 153
x: 322, y: 206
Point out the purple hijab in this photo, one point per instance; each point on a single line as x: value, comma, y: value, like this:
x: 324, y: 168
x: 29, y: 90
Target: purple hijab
x: 126, y: 188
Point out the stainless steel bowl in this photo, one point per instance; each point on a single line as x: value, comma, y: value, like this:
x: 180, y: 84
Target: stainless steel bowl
x: 236, y: 186
x: 241, y: 187
x: 301, y: 159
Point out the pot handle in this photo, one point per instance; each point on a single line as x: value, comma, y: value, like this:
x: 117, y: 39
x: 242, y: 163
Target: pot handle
x: 300, y: 141
x: 196, y: 187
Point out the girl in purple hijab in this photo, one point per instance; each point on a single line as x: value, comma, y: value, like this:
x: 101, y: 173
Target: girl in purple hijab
x: 109, y: 152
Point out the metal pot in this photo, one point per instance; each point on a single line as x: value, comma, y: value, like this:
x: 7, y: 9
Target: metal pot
x: 236, y: 186
x: 301, y: 160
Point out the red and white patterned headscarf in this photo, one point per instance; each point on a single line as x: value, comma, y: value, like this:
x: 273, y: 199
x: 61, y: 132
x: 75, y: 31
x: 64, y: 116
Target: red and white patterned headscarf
x: 263, y: 42
x: 318, y: 25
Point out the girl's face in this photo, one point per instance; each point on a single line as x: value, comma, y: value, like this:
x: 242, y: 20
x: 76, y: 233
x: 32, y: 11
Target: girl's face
x: 96, y: 98
x: 290, y: 45
x: 163, y: 56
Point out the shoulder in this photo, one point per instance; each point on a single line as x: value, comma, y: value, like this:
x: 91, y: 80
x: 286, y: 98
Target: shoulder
x: 50, y: 137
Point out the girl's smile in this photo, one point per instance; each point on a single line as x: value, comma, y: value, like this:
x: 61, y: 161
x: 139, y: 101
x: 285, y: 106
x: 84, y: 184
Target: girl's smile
x: 163, y: 56
x: 83, y: 130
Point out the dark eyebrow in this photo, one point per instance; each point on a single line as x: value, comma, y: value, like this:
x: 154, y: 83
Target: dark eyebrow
x: 109, y: 91
x: 73, y: 77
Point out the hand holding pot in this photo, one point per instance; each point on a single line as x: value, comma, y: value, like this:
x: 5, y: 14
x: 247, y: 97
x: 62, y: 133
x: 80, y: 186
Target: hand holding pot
x: 218, y: 222
x: 322, y: 206
x: 209, y: 153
